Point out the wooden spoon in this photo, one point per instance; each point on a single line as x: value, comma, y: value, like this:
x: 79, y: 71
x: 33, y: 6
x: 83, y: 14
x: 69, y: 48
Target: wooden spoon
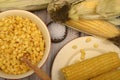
x: 39, y: 72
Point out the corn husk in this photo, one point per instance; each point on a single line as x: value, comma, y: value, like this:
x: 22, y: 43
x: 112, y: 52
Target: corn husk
x: 108, y: 8
x: 23, y: 4
x: 115, y: 21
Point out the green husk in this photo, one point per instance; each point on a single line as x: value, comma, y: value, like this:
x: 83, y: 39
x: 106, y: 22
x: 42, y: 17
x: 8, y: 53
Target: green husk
x: 23, y: 4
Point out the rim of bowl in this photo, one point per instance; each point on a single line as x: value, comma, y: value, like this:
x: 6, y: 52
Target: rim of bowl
x: 47, y: 48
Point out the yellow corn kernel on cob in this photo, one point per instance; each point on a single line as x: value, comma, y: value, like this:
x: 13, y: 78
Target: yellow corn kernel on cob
x: 95, y: 27
x: 113, y: 75
x: 92, y: 67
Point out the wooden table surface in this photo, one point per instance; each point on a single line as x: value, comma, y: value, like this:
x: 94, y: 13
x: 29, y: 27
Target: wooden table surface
x: 55, y: 47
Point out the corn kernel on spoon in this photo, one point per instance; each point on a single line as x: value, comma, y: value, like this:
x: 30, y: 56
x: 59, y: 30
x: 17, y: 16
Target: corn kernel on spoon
x: 39, y: 72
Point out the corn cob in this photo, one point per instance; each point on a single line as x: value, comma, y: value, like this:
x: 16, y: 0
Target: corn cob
x: 95, y: 27
x: 92, y: 67
x: 113, y: 75
x: 23, y: 4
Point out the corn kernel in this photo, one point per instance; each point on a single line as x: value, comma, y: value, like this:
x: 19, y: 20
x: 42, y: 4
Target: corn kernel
x: 88, y: 40
x: 95, y: 45
x: 82, y: 51
x: 74, y: 47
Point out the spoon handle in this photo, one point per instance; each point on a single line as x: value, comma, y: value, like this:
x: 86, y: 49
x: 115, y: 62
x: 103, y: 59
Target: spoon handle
x: 39, y: 72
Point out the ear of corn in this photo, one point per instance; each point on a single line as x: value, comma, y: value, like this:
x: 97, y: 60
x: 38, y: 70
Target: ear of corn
x: 92, y: 67
x: 70, y: 12
x: 113, y: 75
x: 95, y: 27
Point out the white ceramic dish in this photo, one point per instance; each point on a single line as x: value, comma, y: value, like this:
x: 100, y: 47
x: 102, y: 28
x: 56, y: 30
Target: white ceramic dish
x: 68, y: 55
x: 42, y: 28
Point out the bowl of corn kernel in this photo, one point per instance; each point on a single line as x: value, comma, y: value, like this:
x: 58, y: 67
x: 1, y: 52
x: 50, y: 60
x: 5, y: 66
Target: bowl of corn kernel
x: 21, y: 33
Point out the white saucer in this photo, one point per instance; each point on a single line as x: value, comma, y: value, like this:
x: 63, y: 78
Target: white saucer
x: 70, y: 53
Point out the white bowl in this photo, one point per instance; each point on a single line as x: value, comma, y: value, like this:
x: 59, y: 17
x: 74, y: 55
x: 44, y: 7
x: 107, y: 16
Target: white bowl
x: 45, y: 34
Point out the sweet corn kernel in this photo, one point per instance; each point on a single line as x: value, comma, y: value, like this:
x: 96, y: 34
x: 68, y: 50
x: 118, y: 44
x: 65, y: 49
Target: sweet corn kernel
x: 95, y: 45
x: 82, y: 51
x: 74, y: 47
x: 88, y: 40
